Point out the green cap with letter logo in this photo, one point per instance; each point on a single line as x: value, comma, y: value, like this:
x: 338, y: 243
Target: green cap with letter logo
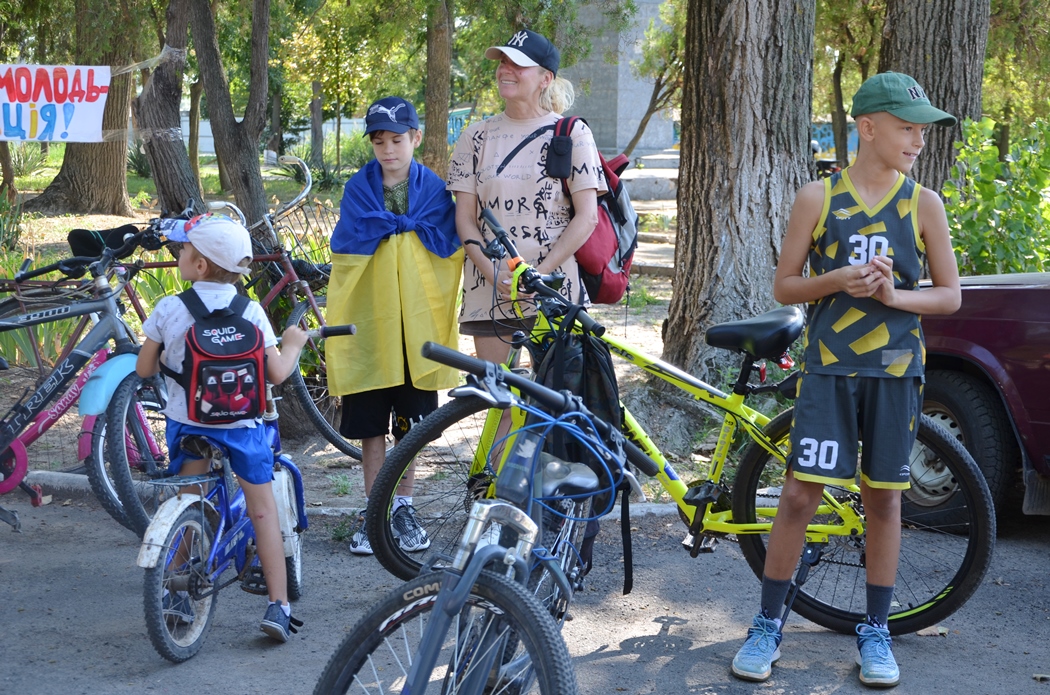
x: 900, y: 95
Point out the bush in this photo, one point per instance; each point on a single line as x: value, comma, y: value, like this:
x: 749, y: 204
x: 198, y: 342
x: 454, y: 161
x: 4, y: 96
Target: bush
x: 999, y: 212
x: 27, y: 158
x: 138, y: 162
x: 10, y: 223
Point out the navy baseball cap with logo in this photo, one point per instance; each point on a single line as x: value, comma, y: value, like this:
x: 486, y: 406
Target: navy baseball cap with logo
x: 394, y: 114
x: 900, y: 95
x: 527, y: 49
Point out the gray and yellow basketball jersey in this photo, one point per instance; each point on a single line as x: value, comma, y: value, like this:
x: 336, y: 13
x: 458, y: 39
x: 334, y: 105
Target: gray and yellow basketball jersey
x: 851, y: 336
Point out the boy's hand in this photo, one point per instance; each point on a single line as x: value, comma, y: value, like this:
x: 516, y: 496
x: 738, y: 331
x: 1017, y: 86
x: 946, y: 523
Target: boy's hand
x: 885, y: 291
x: 293, y: 338
x: 859, y: 280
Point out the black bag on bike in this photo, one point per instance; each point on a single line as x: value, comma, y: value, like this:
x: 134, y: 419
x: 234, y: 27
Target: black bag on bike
x: 582, y: 364
x: 224, y: 363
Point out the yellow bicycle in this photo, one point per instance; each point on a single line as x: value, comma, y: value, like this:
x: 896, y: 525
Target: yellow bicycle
x: 948, y: 522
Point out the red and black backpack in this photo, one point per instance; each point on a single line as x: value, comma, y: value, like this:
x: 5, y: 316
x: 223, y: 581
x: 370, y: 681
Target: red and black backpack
x: 224, y: 364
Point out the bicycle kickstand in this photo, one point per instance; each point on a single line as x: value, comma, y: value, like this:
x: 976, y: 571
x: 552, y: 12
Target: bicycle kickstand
x: 11, y: 518
x: 810, y: 557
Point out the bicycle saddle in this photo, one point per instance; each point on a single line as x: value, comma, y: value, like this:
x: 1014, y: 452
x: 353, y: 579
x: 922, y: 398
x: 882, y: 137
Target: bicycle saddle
x: 204, y: 447
x: 562, y: 479
x: 766, y: 336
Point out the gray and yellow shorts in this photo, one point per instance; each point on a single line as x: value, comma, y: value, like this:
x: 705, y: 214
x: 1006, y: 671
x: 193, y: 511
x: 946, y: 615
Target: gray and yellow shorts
x: 835, y: 414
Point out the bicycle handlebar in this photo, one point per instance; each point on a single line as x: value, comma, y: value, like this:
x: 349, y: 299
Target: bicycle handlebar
x: 333, y: 331
x: 531, y: 279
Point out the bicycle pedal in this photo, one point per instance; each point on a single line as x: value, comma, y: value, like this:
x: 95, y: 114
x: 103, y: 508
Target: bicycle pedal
x: 699, y: 544
x: 254, y: 582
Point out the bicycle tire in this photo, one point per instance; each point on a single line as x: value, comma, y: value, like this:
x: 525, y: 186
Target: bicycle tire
x: 98, y: 474
x: 379, y: 644
x: 293, y: 563
x: 311, y: 389
x: 177, y: 639
x: 442, y: 446
x: 943, y: 557
x: 128, y: 447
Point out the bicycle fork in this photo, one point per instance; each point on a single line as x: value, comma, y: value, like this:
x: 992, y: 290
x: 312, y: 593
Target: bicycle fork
x: 456, y: 584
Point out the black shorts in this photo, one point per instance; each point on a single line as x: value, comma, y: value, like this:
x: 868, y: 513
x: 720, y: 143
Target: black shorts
x: 377, y: 413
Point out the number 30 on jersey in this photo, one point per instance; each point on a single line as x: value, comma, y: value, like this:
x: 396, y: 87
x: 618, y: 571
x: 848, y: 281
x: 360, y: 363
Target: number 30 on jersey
x: 867, y: 247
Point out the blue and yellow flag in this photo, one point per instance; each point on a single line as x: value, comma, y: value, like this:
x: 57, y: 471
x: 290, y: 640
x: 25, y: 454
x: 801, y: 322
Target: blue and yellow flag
x: 397, y: 277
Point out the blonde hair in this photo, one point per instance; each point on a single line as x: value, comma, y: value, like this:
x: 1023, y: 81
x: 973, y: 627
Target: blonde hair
x: 213, y: 272
x: 558, y: 95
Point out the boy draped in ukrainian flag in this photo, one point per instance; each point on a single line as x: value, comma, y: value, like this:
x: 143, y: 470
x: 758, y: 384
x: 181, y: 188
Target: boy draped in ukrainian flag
x: 396, y: 269
x: 864, y: 233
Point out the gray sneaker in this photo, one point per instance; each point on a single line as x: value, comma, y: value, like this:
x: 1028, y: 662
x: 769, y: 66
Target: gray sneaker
x: 359, y: 544
x: 878, y: 668
x: 754, y: 661
x: 410, y: 535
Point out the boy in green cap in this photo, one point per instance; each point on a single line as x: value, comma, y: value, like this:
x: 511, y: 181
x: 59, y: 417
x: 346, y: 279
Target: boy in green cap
x: 863, y: 232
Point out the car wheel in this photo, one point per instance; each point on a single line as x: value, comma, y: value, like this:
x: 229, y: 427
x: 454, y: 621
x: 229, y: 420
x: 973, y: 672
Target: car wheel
x: 972, y: 412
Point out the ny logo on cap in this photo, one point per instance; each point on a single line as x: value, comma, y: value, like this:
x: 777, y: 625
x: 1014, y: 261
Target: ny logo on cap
x: 518, y: 39
x: 916, y: 93
x: 382, y: 109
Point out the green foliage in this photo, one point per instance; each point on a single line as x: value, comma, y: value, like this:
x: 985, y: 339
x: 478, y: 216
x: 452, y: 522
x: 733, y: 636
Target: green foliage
x: 27, y: 158
x: 341, y: 485
x: 10, y: 223
x: 1015, y: 90
x: 138, y: 162
x: 999, y: 212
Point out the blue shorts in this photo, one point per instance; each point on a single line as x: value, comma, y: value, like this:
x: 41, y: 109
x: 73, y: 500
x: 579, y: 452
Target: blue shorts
x: 251, y: 457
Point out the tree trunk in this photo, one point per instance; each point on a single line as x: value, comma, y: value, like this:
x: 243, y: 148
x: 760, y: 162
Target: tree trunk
x: 195, y: 129
x: 7, y: 185
x: 93, y: 178
x: 941, y: 43
x: 839, y: 128
x: 316, y: 128
x: 746, y: 107
x: 157, y: 111
x: 236, y: 142
x: 274, y: 143
x: 438, y: 90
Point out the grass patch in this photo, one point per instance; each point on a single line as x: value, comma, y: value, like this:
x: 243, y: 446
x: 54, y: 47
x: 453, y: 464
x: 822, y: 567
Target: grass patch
x: 343, y: 530
x: 341, y: 484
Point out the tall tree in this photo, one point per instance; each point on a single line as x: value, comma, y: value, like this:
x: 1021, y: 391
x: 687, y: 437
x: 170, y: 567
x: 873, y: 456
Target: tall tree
x: 745, y: 151
x: 662, y: 51
x: 159, y: 119
x: 236, y: 141
x: 93, y: 176
x: 439, y: 86
x: 941, y: 43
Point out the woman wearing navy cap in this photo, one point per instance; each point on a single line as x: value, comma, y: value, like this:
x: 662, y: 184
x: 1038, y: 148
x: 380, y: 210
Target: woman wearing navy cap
x: 501, y: 164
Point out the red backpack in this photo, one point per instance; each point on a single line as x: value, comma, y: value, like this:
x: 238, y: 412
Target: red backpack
x: 605, y: 258
x: 224, y: 364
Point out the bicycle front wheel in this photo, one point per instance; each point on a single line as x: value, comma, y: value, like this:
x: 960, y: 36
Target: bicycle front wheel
x: 98, y: 473
x: 500, y: 615
x: 137, y: 449
x: 178, y: 595
x: 442, y: 448
x: 310, y: 382
x: 943, y: 557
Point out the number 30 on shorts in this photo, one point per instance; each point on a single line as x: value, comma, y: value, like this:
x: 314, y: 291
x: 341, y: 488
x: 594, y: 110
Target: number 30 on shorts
x: 823, y: 454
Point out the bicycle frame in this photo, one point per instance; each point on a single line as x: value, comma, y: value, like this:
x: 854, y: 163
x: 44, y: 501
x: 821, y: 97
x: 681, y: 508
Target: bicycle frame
x: 736, y: 415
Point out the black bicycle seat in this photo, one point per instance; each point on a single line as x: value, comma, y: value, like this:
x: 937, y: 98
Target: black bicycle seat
x: 561, y: 479
x: 763, y: 337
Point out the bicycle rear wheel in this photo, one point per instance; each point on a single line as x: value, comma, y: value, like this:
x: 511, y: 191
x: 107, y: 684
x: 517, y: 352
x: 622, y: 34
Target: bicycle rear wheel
x: 178, y: 596
x: 137, y: 449
x: 442, y: 447
x: 498, y: 615
x: 944, y: 554
x: 310, y: 383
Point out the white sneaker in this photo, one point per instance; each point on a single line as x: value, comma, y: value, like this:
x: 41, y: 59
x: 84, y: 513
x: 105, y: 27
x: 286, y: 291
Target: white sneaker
x: 359, y: 544
x: 410, y: 535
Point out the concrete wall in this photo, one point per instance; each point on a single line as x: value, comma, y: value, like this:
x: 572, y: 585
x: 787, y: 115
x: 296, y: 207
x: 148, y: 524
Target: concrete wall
x: 611, y: 98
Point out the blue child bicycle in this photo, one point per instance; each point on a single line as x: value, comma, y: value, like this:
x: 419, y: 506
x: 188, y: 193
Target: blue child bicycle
x: 202, y: 541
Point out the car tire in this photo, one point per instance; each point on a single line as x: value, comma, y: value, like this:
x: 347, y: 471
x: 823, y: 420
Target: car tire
x: 973, y: 412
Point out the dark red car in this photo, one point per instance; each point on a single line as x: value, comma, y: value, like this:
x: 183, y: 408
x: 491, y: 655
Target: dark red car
x: 988, y: 380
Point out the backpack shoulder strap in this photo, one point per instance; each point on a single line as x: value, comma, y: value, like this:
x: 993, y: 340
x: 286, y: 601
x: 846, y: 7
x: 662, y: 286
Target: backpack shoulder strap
x: 193, y: 304
x: 525, y: 141
x: 239, y: 304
